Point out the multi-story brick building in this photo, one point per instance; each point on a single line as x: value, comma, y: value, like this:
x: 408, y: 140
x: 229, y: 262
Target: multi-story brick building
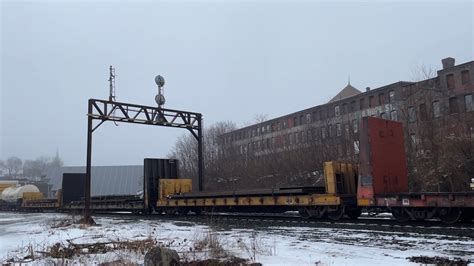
x: 436, y: 112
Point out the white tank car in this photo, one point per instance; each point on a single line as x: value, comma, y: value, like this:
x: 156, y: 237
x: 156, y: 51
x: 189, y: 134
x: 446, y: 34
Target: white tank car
x: 13, y: 194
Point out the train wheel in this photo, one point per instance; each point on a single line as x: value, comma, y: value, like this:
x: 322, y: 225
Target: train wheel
x: 467, y: 215
x: 354, y: 213
x: 303, y: 212
x: 337, y: 213
x: 197, y: 211
x: 400, y: 214
x: 449, y: 215
x: 183, y: 211
x: 317, y: 212
x: 170, y: 211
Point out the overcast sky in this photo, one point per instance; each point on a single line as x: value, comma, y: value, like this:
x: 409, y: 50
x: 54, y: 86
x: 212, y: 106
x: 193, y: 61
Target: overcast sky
x: 228, y: 61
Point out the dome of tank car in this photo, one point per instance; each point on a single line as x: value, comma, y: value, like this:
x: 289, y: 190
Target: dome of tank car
x: 12, y: 194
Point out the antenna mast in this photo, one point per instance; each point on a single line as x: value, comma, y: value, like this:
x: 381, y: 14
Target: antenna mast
x: 112, y: 84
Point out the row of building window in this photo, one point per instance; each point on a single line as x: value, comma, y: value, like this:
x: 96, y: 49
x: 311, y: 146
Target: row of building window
x: 436, y: 108
x: 361, y: 104
x: 302, y: 137
x: 373, y: 102
x: 465, y: 79
x: 352, y: 148
x: 308, y: 118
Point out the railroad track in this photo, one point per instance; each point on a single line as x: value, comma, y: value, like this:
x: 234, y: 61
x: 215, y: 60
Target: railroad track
x: 262, y: 221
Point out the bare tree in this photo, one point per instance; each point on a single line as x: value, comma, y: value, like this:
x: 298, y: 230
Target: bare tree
x: 39, y: 166
x: 423, y: 72
x: 257, y: 118
x: 13, y: 165
x: 185, y: 150
x: 439, y: 147
x: 2, y: 165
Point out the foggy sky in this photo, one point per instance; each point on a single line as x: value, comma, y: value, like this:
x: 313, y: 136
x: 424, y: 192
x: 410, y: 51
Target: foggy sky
x: 228, y: 61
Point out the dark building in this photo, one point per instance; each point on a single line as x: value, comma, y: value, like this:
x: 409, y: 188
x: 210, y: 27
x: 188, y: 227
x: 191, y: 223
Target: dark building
x: 437, y: 116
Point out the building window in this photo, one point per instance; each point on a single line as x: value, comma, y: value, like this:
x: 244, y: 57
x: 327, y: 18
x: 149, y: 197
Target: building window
x: 450, y: 81
x: 301, y: 120
x: 347, y: 130
x: 297, y: 139
x: 268, y: 128
x: 339, y: 150
x: 353, y: 106
x: 382, y: 98
x: 309, y: 135
x: 315, y: 116
x: 391, y: 96
x: 465, y: 78
x: 411, y: 114
x: 356, y: 147
x: 323, y: 132
x: 436, y: 109
x: 284, y: 124
x: 453, y: 105
x: 338, y: 130
x: 413, y: 139
x: 372, y: 101
x: 355, y: 125
x: 393, y: 115
x: 362, y: 104
x: 308, y: 118
x: 423, y: 112
x: 332, y: 131
x: 291, y: 139
x: 468, y: 102
x: 336, y: 110
x: 295, y: 121
x: 345, y: 109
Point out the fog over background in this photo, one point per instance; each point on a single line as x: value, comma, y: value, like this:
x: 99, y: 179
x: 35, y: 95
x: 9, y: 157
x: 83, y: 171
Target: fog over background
x: 228, y: 61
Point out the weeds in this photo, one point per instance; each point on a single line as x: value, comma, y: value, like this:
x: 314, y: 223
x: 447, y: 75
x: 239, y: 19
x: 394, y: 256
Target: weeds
x: 255, y: 246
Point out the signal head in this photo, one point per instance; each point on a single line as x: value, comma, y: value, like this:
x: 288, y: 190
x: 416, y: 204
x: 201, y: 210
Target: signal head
x: 160, y: 81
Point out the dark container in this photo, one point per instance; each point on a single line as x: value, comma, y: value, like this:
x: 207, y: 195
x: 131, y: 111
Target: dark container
x: 73, y: 187
x: 155, y: 169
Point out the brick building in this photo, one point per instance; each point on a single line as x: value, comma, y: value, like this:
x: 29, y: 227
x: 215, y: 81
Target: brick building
x: 436, y: 112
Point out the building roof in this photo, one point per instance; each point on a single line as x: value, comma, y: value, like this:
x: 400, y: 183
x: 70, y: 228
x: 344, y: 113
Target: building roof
x: 106, y: 180
x: 347, y: 92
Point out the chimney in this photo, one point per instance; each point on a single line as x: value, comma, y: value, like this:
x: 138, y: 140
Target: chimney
x: 448, y: 62
x: 367, y: 89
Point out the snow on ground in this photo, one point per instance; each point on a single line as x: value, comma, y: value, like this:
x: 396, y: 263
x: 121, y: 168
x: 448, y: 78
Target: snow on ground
x: 269, y: 245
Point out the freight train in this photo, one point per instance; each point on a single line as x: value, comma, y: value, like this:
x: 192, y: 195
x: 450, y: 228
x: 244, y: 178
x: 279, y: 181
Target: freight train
x: 378, y: 182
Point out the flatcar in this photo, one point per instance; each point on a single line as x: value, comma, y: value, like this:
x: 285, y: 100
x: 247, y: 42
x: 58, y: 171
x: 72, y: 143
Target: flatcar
x: 381, y: 179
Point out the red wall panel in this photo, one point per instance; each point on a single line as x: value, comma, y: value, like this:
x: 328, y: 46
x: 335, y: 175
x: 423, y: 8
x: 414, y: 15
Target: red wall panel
x: 383, y: 166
